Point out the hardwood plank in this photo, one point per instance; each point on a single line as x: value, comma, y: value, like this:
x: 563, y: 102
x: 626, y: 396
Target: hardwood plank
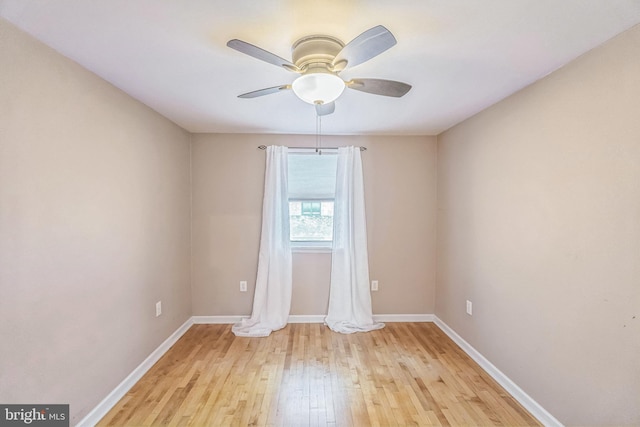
x: 307, y: 375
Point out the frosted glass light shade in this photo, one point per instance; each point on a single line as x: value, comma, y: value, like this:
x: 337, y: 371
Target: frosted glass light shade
x: 318, y: 88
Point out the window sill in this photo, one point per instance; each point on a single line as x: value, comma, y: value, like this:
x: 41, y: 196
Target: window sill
x: 311, y: 247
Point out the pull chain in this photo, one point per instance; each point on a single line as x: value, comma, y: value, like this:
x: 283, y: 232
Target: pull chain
x: 319, y: 134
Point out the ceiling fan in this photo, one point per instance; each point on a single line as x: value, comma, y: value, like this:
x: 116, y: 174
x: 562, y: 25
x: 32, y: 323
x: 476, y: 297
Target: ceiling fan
x: 319, y: 59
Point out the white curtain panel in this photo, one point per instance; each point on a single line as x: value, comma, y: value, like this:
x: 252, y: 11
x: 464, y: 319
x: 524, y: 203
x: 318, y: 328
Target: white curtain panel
x: 349, y: 298
x: 272, y: 298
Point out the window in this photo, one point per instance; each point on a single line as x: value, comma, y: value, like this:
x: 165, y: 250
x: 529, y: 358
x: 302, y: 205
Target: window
x: 312, y: 181
x: 310, y: 208
x: 311, y: 221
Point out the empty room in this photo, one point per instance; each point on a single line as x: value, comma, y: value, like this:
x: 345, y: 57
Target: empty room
x: 320, y: 213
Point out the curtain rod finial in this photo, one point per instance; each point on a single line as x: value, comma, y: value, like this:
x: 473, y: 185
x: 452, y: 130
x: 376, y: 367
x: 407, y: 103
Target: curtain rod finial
x: 262, y: 147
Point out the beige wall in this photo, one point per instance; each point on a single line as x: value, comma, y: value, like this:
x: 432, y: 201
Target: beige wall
x: 94, y: 229
x: 400, y: 186
x: 539, y: 225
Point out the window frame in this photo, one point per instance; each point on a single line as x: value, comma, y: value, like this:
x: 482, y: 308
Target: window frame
x: 311, y: 246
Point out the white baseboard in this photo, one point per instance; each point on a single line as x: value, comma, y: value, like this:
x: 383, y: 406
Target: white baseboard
x: 228, y: 320
x: 96, y: 414
x: 316, y: 318
x: 306, y: 318
x: 217, y: 320
x: 525, y: 400
x: 389, y: 318
x: 394, y: 318
x: 319, y: 318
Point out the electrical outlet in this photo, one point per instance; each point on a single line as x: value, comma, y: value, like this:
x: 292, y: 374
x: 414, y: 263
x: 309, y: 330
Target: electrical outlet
x: 158, y: 308
x: 469, y: 308
x: 243, y: 286
x: 374, y: 285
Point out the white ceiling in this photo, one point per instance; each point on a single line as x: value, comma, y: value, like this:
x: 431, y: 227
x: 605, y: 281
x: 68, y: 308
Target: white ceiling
x: 460, y: 56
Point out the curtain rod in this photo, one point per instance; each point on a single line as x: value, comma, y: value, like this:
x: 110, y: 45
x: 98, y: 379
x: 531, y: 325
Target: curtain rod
x: 264, y: 147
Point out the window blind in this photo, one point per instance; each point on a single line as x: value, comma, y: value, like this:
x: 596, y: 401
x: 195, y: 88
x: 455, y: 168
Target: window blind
x: 312, y: 176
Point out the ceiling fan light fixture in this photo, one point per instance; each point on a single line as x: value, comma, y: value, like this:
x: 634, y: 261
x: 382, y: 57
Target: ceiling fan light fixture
x: 320, y: 59
x: 318, y: 88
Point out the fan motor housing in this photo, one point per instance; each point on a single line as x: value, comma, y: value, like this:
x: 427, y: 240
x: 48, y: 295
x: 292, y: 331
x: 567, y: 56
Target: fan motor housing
x: 315, y: 50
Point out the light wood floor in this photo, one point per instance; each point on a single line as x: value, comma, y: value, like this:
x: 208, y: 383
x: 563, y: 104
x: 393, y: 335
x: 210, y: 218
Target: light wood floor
x: 305, y: 375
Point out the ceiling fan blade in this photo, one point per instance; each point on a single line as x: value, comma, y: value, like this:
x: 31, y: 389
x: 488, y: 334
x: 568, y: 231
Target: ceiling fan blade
x: 367, y: 45
x: 380, y: 87
x: 261, y: 54
x: 324, y: 109
x: 262, y: 92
